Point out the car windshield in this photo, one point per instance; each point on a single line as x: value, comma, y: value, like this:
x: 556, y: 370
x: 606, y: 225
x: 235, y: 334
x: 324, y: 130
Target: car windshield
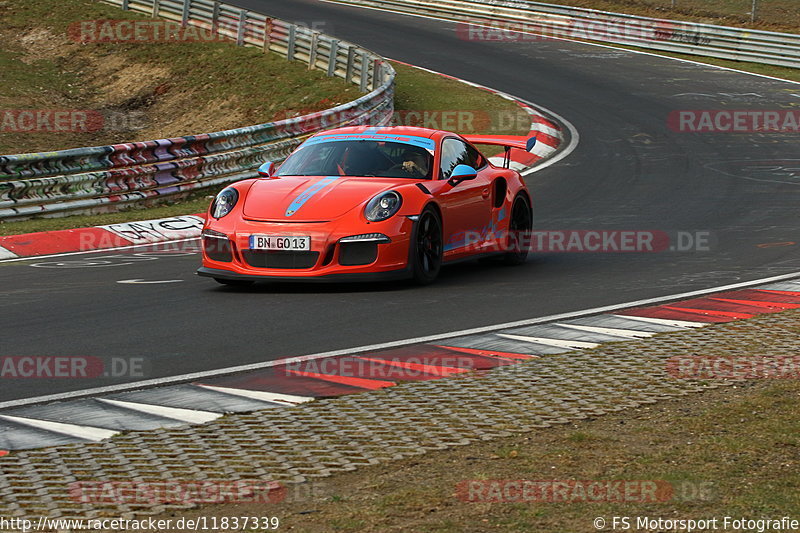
x: 374, y: 157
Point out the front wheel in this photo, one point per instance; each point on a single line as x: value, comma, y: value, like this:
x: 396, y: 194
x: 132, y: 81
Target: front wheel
x: 520, y: 228
x: 427, y: 249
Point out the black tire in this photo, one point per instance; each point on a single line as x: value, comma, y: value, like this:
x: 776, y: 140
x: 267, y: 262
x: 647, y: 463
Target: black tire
x: 426, y: 247
x: 520, y: 228
x: 234, y: 282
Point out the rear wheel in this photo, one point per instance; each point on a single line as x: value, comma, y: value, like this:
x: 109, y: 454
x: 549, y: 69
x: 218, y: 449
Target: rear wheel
x: 519, y: 232
x: 234, y: 282
x: 426, y: 253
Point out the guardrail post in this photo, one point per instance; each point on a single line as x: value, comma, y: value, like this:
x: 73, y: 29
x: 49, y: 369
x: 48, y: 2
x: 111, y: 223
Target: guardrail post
x: 312, y: 52
x: 351, y: 57
x: 215, y: 19
x: 377, y: 69
x: 156, y: 8
x: 754, y: 11
x: 364, y: 71
x: 240, y: 29
x: 334, y: 55
x: 267, y: 33
x: 125, y: 5
x: 187, y: 4
x: 292, y: 39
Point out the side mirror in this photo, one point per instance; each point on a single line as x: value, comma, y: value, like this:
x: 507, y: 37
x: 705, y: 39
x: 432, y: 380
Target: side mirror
x: 267, y: 169
x: 462, y: 173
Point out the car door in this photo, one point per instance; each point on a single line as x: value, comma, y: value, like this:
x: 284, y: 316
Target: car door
x: 466, y: 206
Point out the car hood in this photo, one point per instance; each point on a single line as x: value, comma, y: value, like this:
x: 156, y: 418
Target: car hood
x: 310, y: 198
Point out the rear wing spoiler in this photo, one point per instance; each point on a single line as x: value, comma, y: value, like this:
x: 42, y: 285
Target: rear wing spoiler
x: 506, y: 141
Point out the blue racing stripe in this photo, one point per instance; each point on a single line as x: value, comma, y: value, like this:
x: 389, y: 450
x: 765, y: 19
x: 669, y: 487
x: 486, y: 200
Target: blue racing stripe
x: 308, y: 193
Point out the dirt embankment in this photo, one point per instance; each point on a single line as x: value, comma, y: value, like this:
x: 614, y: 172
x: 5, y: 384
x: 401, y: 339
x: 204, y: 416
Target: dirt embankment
x: 61, y: 92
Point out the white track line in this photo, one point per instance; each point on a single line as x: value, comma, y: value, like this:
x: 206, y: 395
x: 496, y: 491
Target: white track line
x: 405, y: 342
x: 665, y: 321
x: 614, y: 332
x: 544, y: 128
x: 271, y: 397
x: 183, y: 415
x: 7, y: 254
x: 558, y: 343
x: 71, y: 430
x: 574, y: 139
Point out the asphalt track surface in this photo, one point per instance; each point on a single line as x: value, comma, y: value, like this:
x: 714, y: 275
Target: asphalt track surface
x: 629, y: 172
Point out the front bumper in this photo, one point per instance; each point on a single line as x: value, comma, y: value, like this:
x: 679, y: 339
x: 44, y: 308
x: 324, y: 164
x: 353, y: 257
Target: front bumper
x: 390, y: 275
x: 329, y: 259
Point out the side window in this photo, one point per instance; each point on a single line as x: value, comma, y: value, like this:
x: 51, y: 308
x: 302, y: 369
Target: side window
x: 454, y: 153
x: 476, y: 158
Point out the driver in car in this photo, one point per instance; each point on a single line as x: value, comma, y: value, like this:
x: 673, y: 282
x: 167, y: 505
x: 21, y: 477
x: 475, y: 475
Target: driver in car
x: 415, y: 163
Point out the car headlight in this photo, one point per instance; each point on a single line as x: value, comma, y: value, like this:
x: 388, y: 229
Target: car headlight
x: 383, y: 206
x: 224, y: 202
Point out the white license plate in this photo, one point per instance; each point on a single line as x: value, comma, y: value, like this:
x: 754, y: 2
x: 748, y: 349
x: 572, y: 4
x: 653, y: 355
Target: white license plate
x: 280, y: 242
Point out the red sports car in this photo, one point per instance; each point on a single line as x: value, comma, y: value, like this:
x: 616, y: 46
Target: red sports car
x: 366, y: 203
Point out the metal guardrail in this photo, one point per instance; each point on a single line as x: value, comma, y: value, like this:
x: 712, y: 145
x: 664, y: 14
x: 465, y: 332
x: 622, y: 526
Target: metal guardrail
x: 103, y: 178
x: 738, y: 44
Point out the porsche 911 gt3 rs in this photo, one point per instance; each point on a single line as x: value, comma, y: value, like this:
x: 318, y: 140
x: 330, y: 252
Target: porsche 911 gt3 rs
x: 365, y: 203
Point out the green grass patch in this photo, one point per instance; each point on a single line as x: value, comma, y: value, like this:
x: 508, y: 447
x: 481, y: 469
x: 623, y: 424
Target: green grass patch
x: 452, y: 105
